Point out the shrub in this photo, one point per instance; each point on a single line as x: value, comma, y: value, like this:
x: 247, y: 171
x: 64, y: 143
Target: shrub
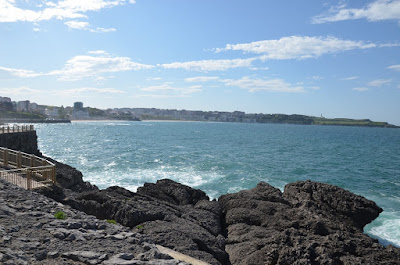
x: 139, y: 226
x: 111, y: 222
x: 60, y: 215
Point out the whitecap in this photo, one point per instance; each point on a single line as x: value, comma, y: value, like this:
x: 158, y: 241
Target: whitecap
x: 386, y: 228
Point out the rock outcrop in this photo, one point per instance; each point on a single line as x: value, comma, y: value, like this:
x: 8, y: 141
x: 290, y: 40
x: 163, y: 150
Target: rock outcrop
x: 70, y: 178
x: 172, y: 214
x: 310, y: 223
x: 31, y: 234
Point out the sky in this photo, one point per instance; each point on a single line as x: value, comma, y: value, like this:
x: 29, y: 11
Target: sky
x: 314, y: 57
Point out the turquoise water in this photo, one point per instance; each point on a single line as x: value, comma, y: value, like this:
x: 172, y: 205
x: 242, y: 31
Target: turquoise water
x: 227, y: 157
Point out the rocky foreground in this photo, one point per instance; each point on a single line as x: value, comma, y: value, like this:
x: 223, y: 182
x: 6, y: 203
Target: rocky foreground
x: 309, y: 223
x: 31, y: 234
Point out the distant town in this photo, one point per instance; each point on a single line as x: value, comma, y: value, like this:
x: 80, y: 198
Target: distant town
x: 26, y: 111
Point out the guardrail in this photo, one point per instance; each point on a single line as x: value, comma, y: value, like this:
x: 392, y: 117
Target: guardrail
x: 26, y: 170
x: 16, y: 129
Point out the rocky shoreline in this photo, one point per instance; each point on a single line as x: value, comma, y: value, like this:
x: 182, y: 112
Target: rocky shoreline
x: 308, y: 223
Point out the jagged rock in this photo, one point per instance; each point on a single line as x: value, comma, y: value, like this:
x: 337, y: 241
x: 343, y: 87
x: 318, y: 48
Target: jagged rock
x: 172, y: 214
x: 30, y: 236
x: 310, y: 223
x: 172, y: 192
x: 70, y: 178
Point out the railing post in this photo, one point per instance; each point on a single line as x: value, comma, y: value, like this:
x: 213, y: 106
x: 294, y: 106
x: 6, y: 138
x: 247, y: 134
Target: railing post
x: 19, y: 160
x: 28, y: 179
x: 32, y: 161
x: 44, y: 174
x: 5, y: 158
x: 54, y: 175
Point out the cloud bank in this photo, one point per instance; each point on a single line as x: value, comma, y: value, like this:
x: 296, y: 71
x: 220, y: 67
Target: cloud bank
x: 299, y: 47
x: 376, y: 11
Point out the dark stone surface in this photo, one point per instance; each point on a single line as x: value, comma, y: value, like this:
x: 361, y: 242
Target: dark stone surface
x: 172, y: 214
x: 30, y: 233
x: 70, y: 178
x: 310, y: 223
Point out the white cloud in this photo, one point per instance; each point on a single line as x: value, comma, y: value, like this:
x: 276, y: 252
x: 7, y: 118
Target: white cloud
x: 317, y: 77
x: 298, y: 47
x: 20, y: 91
x: 379, y: 82
x: 376, y: 11
x: 85, y: 66
x: 166, y: 87
x: 272, y: 85
x: 19, y: 72
x: 201, y: 79
x: 10, y: 11
x: 74, y: 91
x: 394, y: 67
x: 360, y: 89
x: 77, y: 24
x: 209, y: 65
x: 160, y: 96
x: 350, y: 78
x: 97, y: 52
x: 83, y: 25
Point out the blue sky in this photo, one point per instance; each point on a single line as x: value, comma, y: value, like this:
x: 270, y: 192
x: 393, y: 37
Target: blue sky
x: 335, y: 58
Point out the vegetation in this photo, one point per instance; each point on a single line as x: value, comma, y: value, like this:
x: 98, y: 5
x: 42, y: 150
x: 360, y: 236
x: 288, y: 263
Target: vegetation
x: 351, y: 122
x: 60, y: 215
x: 111, y: 222
x: 93, y: 112
x: 139, y: 227
x: 20, y: 115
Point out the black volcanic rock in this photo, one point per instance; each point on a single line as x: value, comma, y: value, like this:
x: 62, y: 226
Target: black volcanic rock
x: 172, y: 192
x: 70, y: 178
x: 172, y: 214
x: 310, y: 223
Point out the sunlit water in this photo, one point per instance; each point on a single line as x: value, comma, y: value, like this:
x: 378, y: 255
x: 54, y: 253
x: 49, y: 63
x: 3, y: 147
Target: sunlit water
x: 227, y: 157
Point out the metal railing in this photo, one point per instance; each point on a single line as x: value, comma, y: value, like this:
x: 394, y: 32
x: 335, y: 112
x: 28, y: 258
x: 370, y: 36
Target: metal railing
x: 16, y: 129
x: 26, y: 170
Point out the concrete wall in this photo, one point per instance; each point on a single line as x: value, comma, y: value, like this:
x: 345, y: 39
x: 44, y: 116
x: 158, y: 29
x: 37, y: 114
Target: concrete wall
x: 23, y: 141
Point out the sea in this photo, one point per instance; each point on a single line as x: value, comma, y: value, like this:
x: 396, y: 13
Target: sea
x: 221, y: 158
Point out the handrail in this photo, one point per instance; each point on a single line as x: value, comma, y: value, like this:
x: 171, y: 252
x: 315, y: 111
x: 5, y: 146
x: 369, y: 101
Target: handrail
x: 26, y: 168
x: 16, y: 129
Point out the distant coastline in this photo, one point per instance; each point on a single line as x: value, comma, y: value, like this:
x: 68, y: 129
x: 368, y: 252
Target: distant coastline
x: 173, y: 115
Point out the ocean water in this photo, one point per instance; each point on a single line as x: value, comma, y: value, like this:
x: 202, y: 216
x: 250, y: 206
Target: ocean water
x: 223, y: 158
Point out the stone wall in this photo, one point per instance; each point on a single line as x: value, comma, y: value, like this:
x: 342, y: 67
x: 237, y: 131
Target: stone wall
x: 22, y: 141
